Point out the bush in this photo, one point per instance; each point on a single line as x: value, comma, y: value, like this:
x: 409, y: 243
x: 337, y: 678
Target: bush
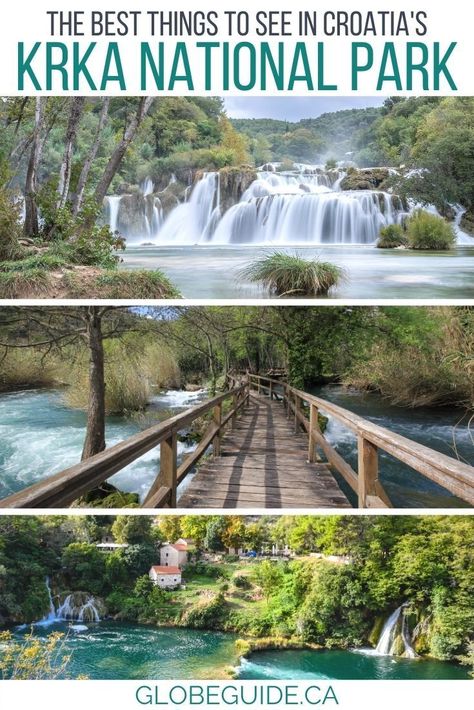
x: 289, y: 274
x: 10, y: 229
x: 427, y: 231
x: 392, y: 236
x: 242, y: 581
x: 206, y: 614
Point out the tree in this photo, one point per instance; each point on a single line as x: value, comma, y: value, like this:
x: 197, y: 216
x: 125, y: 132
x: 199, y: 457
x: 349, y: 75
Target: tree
x: 269, y: 576
x: 131, y: 128
x: 234, y: 532
x: 84, y: 566
x: 32, y: 658
x: 75, y: 112
x: 91, y: 155
x: 58, y: 328
x: 132, y: 529
x: 31, y: 224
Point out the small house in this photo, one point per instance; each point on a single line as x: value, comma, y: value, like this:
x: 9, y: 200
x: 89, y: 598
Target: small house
x: 174, y: 555
x: 165, y: 577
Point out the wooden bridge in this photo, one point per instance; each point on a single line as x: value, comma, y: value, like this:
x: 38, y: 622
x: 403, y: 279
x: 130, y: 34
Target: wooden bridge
x: 263, y: 448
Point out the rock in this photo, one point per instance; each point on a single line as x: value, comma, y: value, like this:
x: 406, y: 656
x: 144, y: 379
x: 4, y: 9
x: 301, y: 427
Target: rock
x: 365, y: 179
x: 233, y: 183
x: 467, y: 221
x: 190, y: 387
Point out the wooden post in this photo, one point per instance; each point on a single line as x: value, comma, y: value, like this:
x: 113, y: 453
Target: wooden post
x: 235, y: 403
x: 271, y: 391
x: 258, y: 385
x: 168, y: 465
x: 368, y: 470
x: 217, y: 418
x: 297, y: 410
x: 313, y: 428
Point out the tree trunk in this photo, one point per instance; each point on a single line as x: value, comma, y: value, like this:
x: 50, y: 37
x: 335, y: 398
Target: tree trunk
x: 119, y: 152
x: 83, y: 177
x: 31, y: 225
x: 95, y: 434
x: 75, y: 113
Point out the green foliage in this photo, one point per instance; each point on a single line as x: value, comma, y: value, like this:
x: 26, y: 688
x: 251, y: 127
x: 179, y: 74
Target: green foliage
x: 141, y: 283
x: 207, y: 613
x: 392, y: 236
x: 427, y: 231
x: 289, y: 274
x: 84, y: 567
x: 132, y: 529
x: 80, y: 239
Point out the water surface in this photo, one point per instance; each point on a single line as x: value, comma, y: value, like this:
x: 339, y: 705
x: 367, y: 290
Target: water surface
x: 202, y: 271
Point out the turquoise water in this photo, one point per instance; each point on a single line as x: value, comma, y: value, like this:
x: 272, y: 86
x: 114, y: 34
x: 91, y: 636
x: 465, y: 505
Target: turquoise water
x: 212, y: 271
x: 344, y: 665
x: 439, y: 428
x: 120, y: 651
x: 40, y: 435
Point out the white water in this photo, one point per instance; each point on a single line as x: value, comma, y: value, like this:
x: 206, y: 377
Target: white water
x: 67, y: 611
x: 40, y: 435
x: 394, y: 626
x: 303, y: 206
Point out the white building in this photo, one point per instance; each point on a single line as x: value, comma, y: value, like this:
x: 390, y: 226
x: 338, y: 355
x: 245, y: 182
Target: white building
x: 108, y: 544
x: 174, y: 555
x: 165, y: 577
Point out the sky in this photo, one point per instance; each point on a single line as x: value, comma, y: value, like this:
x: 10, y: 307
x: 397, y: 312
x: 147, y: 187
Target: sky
x: 293, y: 108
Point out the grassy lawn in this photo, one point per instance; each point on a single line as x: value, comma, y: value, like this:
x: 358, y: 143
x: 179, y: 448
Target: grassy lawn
x: 198, y: 584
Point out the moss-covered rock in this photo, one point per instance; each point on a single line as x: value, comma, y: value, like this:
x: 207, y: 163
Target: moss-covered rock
x: 366, y: 179
x: 376, y: 630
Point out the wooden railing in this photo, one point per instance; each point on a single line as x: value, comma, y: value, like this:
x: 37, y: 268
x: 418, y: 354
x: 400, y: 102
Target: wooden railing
x: 453, y: 475
x: 64, y: 488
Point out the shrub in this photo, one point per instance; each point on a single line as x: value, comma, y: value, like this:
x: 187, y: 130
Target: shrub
x: 288, y: 274
x: 427, y: 231
x: 242, y: 581
x: 392, y: 236
x: 206, y: 614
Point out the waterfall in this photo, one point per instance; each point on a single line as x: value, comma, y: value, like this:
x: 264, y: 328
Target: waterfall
x: 195, y: 220
x: 77, y: 606
x: 304, y: 205
x: 391, y: 630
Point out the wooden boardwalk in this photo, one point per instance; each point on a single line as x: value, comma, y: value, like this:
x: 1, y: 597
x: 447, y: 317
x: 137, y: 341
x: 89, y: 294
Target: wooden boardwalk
x: 263, y: 464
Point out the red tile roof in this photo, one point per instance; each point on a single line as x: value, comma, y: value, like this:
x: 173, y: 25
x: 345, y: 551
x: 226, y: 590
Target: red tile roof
x: 162, y: 569
x: 180, y: 546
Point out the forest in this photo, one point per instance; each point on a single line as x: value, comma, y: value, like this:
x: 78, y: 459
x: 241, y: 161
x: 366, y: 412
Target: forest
x: 344, y: 576
x: 83, y: 178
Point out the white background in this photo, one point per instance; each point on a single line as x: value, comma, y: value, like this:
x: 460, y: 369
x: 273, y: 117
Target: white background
x: 447, y: 22
x: 352, y: 695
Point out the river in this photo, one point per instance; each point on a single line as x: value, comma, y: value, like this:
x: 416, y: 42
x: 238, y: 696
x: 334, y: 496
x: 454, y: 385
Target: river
x: 40, y: 435
x: 120, y: 651
x: 433, y: 427
x: 202, y: 271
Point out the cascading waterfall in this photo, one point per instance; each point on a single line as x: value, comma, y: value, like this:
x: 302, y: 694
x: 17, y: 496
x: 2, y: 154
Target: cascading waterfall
x: 75, y: 607
x: 301, y: 206
x: 395, y: 626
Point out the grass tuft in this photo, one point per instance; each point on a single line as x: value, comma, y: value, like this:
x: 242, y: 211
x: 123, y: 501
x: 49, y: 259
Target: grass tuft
x: 289, y: 274
x: 392, y: 236
x: 129, y: 284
